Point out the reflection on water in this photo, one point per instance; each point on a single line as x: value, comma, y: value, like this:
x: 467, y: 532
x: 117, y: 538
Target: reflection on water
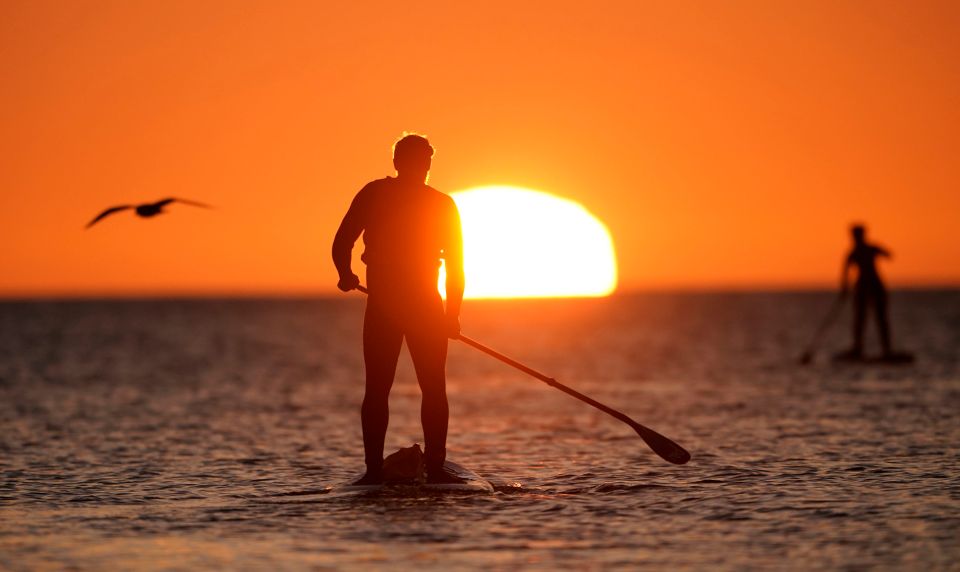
x: 205, y: 434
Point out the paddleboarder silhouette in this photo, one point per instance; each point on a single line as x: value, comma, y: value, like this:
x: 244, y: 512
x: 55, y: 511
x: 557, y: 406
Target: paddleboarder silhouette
x: 869, y: 292
x: 407, y: 228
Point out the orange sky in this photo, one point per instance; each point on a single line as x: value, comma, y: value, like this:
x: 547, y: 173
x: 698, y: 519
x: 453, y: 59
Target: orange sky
x: 725, y: 144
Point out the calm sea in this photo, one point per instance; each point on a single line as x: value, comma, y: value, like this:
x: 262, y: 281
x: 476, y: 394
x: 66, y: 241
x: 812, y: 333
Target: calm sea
x: 186, y: 435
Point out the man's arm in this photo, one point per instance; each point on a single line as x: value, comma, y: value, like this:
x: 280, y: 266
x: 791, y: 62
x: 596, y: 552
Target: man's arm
x: 453, y: 257
x: 350, y: 229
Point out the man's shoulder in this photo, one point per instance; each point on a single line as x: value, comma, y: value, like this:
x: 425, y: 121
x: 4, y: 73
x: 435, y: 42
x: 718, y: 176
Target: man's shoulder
x: 371, y: 191
x: 440, y: 196
x: 389, y: 185
x: 376, y: 184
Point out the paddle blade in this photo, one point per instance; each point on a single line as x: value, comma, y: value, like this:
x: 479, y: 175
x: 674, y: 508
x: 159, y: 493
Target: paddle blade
x: 667, y: 449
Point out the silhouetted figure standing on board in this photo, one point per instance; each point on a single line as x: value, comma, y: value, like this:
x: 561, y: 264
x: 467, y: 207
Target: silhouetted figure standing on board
x: 868, y: 292
x: 407, y: 228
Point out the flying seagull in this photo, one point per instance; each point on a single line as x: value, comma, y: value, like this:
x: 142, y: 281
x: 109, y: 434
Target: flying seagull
x: 146, y: 210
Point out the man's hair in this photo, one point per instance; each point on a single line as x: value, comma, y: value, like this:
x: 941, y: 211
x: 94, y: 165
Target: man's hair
x: 858, y: 230
x: 411, y: 145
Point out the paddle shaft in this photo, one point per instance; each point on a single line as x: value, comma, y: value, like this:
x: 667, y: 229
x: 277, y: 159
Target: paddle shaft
x: 828, y: 320
x: 548, y: 380
x: 662, y: 446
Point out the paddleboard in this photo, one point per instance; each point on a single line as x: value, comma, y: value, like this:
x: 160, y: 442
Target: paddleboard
x: 896, y: 358
x: 473, y: 483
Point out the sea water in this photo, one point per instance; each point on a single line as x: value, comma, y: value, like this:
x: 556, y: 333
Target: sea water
x: 204, y: 434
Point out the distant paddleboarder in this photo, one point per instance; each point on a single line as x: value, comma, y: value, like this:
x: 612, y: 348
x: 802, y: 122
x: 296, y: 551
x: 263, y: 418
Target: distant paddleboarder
x: 869, y: 292
x: 145, y: 210
x: 407, y: 228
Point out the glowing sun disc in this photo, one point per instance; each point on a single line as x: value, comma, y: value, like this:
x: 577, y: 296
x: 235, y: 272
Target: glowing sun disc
x: 519, y: 243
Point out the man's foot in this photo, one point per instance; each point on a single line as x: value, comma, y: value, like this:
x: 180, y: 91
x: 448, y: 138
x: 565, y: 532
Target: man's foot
x: 897, y: 357
x: 853, y: 354
x: 443, y: 477
x: 369, y: 478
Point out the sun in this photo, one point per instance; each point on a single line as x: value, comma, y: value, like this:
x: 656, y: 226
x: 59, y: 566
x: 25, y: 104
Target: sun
x: 520, y: 243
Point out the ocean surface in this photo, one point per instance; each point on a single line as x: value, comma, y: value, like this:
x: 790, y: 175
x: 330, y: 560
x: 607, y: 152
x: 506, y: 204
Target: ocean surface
x: 204, y: 434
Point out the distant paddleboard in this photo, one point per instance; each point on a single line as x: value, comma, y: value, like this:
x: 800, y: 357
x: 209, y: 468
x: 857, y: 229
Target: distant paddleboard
x: 896, y: 358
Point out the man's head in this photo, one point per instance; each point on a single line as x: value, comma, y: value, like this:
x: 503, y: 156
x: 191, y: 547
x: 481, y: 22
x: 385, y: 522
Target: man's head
x: 859, y: 232
x: 412, y: 154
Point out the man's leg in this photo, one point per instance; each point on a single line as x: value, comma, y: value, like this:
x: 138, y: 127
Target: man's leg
x: 880, y: 305
x: 381, y: 348
x: 859, y: 318
x: 428, y: 350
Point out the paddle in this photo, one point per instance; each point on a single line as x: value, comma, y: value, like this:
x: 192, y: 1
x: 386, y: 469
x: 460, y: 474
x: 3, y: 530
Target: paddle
x: 831, y: 315
x: 667, y: 449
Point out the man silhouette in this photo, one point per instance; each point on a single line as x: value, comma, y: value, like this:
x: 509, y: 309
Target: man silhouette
x: 868, y: 291
x: 407, y: 228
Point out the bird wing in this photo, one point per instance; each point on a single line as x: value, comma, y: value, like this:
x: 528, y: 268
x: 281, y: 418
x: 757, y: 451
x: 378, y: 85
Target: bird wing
x: 107, y: 213
x: 165, y: 202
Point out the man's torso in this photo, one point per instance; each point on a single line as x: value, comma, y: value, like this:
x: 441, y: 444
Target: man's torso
x: 865, y: 257
x: 406, y: 228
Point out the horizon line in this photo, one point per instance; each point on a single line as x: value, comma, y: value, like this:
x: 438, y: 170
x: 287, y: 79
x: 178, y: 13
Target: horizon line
x: 268, y: 294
